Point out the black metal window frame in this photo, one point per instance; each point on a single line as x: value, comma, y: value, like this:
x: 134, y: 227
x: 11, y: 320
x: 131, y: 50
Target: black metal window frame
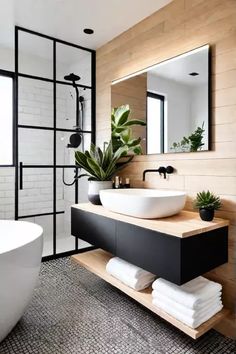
x: 161, y: 98
x: 19, y: 166
x: 11, y: 75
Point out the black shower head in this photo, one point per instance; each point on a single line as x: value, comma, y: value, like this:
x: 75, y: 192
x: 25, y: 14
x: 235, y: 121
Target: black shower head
x: 72, y: 77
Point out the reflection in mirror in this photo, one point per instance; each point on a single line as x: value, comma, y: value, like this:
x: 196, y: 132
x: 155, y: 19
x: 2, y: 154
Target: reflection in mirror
x: 173, y: 98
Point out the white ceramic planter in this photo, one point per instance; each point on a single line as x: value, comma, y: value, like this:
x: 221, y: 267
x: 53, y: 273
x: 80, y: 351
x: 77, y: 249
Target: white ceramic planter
x: 94, y: 188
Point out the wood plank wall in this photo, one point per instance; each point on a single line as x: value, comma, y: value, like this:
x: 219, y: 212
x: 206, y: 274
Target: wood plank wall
x: 181, y: 26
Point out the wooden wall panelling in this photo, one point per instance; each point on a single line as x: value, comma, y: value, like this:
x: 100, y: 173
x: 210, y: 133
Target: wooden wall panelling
x: 181, y: 26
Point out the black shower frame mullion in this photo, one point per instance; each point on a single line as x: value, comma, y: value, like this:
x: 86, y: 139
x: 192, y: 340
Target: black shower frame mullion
x: 26, y: 126
x: 54, y: 129
x: 35, y: 77
x: 54, y: 151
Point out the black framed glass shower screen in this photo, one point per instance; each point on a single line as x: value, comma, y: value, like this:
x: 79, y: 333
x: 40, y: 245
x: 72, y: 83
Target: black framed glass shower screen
x: 45, y: 119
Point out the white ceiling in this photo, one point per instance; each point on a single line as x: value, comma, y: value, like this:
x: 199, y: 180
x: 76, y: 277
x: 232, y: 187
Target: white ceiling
x: 66, y: 19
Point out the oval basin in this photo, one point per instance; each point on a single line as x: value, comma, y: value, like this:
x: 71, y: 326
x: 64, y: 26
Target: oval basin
x: 143, y: 203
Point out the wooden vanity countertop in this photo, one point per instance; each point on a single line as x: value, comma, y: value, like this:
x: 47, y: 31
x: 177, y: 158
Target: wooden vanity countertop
x: 184, y: 224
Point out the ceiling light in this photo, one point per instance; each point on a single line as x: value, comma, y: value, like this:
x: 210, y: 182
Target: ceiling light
x: 194, y: 74
x: 88, y: 31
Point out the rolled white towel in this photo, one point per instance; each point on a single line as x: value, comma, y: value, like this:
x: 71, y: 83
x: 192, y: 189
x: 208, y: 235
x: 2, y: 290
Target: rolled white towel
x: 121, y: 265
x: 190, y: 294
x: 188, y: 320
x: 143, y: 281
x: 200, y: 309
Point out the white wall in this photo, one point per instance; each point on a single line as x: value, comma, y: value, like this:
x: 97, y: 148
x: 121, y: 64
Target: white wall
x: 177, y: 107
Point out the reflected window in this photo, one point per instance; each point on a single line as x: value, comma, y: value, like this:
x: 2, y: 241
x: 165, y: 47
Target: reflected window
x: 6, y: 119
x: 155, y: 123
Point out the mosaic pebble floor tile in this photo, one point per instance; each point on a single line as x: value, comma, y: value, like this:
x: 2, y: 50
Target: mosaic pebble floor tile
x: 75, y: 312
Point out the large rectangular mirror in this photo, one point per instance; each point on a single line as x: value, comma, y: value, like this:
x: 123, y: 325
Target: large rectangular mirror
x: 172, y: 97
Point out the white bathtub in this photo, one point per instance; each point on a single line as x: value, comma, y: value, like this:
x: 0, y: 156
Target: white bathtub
x: 21, y: 245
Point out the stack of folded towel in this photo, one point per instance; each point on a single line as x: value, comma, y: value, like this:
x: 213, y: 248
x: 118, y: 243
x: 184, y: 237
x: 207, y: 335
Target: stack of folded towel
x: 191, y: 303
x: 129, y: 274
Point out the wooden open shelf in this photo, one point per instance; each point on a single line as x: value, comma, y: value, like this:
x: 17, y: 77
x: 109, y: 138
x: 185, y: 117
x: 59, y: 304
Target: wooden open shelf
x: 95, y: 261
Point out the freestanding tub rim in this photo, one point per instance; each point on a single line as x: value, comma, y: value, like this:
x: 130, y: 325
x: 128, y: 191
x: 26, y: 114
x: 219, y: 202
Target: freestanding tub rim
x: 16, y: 234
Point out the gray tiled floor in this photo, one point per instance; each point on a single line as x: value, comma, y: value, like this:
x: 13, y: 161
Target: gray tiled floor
x: 73, y: 311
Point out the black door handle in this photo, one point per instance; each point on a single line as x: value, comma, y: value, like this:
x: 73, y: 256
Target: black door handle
x: 21, y: 175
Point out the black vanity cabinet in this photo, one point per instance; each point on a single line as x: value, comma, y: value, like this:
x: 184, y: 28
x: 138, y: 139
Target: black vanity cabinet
x: 94, y: 229
x: 175, y: 258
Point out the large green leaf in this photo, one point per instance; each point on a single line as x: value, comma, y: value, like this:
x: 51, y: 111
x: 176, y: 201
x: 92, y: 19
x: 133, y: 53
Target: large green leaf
x: 122, y: 111
x: 118, y: 130
x: 95, y: 168
x: 134, y: 122
x: 125, y: 136
x: 123, y: 118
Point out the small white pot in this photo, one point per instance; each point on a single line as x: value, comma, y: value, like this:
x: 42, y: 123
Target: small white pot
x: 94, y: 188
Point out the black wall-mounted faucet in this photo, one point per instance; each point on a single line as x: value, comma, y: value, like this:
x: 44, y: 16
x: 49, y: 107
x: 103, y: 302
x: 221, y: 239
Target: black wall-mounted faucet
x: 162, y: 171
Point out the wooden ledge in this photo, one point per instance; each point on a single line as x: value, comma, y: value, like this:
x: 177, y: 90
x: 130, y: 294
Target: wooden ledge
x: 182, y: 225
x: 95, y: 261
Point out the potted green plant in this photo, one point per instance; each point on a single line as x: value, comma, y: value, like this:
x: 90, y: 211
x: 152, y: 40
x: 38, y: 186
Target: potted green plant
x: 100, y: 167
x: 207, y: 203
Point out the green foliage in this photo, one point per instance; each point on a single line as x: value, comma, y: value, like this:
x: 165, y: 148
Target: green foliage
x: 207, y: 200
x: 102, y: 165
x: 121, y: 132
x: 191, y: 143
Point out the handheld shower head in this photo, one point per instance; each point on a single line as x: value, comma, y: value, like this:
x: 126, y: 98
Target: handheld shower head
x: 75, y: 140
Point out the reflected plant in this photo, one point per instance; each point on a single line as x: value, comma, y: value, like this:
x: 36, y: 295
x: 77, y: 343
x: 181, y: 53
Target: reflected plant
x: 121, y: 131
x: 191, y: 143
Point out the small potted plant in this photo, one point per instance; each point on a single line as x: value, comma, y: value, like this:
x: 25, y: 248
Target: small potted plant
x: 207, y: 203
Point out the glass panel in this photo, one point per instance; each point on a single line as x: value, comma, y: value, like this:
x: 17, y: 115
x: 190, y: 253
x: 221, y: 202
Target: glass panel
x: 65, y: 241
x: 6, y: 118
x: 35, y: 55
x: 73, y: 60
x: 66, y: 107
x: 36, y: 197
x: 46, y: 222
x: 35, y: 105
x: 35, y: 146
x: 65, y: 155
x: 65, y: 198
x: 7, y: 193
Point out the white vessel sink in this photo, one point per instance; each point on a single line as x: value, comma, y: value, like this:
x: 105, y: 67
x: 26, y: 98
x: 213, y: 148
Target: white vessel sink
x: 143, y: 203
